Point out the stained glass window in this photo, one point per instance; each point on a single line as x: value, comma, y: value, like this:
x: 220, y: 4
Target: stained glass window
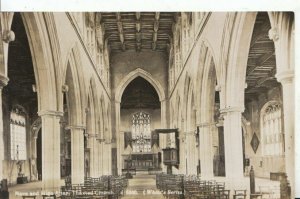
x: 17, y: 135
x: 141, y: 132
x: 272, y: 135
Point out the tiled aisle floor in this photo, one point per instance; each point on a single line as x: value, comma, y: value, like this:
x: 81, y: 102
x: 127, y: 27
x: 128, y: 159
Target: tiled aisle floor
x: 142, y: 186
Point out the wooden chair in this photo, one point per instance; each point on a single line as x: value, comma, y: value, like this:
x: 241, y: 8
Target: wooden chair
x: 240, y: 194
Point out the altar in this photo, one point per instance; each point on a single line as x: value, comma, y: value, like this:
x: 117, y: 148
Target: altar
x: 141, y: 161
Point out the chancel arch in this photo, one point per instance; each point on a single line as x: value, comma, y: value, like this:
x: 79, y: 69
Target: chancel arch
x: 144, y: 74
x: 140, y: 113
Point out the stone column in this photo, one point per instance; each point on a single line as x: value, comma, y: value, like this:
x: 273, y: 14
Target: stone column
x: 121, y: 149
x: 77, y: 154
x: 3, y: 82
x: 286, y: 79
x: 51, y: 149
x: 119, y: 137
x: 191, y: 151
x: 206, y: 150
x: 233, y: 143
x: 93, y: 155
x: 163, y: 141
x: 100, y: 157
x: 106, y: 159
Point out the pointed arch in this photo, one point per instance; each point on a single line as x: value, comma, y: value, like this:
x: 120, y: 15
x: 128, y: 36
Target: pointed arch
x: 91, y: 107
x: 206, y: 67
x: 44, y: 48
x: 237, y: 59
x: 139, y: 73
x: 75, y: 95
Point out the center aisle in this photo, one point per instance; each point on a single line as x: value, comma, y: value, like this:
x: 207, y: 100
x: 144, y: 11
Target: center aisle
x: 142, y: 186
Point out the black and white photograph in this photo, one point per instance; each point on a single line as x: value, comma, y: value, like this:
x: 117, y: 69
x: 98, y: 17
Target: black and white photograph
x: 155, y: 104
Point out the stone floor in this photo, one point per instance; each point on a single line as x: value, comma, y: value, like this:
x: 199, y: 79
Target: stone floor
x: 143, y: 186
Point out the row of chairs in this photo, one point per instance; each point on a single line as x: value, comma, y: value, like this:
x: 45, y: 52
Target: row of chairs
x: 104, y: 187
x: 180, y: 186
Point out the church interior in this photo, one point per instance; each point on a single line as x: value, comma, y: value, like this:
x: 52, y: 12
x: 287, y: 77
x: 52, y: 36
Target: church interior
x: 147, y: 105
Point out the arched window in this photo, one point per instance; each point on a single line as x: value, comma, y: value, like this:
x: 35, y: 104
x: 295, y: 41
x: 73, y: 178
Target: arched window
x: 17, y: 134
x: 141, y: 132
x: 271, y: 130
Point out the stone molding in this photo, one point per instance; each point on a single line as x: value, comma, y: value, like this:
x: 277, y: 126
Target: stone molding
x: 206, y: 124
x: 232, y: 109
x: 8, y: 36
x: 285, y: 76
x: 50, y: 113
x: 3, y: 81
x: 273, y: 34
x: 78, y: 127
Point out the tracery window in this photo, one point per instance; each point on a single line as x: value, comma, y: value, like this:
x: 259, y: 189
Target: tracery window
x: 271, y: 126
x: 17, y: 134
x: 141, y: 133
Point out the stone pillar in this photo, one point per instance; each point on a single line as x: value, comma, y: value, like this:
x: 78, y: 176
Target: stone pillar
x: 51, y: 149
x: 191, y: 152
x: 233, y: 143
x: 163, y: 141
x: 119, y: 137
x: 288, y: 90
x: 106, y: 159
x: 77, y: 154
x: 3, y: 82
x: 182, y: 152
x: 206, y: 150
x: 93, y: 155
x: 121, y: 148
x: 100, y: 157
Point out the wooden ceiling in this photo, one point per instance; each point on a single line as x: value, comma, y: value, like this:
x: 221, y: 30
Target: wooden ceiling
x: 261, y: 66
x: 138, y: 30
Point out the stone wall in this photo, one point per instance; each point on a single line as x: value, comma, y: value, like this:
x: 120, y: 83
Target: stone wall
x: 262, y: 165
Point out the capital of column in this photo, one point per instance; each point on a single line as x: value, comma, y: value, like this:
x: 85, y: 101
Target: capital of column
x: 3, y: 81
x: 50, y: 113
x: 285, y: 76
x: 206, y: 124
x: 92, y: 135
x: 117, y: 101
x: 100, y: 139
x: 232, y: 109
x: 189, y: 133
x: 76, y: 127
x: 163, y: 100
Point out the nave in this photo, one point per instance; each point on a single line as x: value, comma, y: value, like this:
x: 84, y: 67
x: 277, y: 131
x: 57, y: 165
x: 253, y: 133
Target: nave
x: 97, y: 96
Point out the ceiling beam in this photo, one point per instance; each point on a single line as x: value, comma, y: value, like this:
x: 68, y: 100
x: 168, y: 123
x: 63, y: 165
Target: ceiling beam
x: 260, y: 62
x: 155, y: 28
x: 264, y: 32
x: 271, y: 76
x: 265, y: 58
x: 120, y: 30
